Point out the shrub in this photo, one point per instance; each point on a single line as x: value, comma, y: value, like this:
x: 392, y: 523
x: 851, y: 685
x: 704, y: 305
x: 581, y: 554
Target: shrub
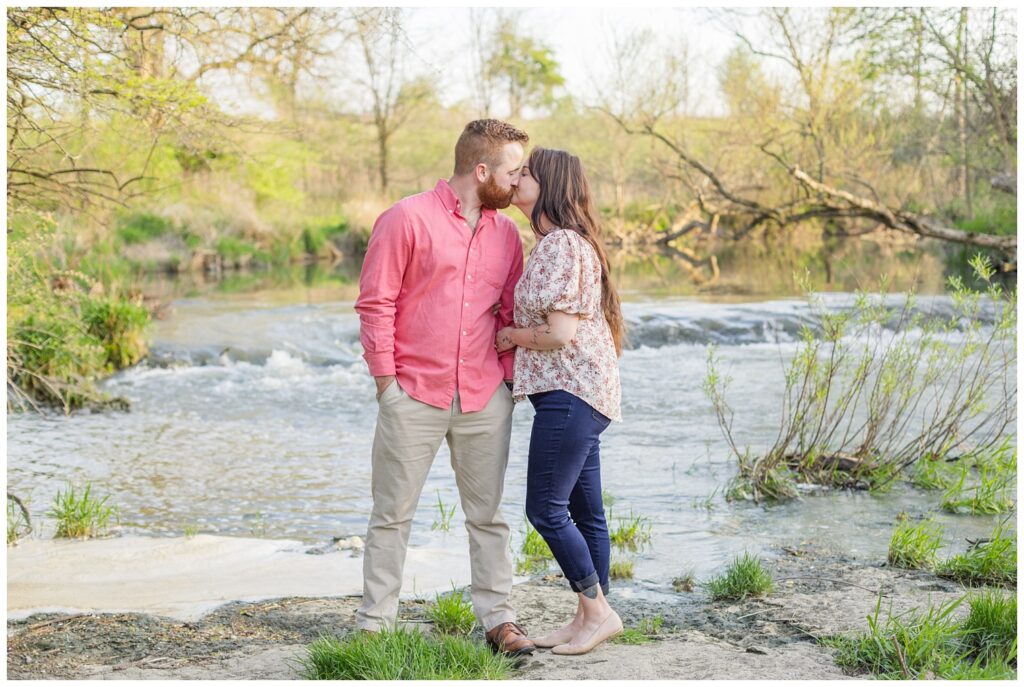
x: 142, y: 227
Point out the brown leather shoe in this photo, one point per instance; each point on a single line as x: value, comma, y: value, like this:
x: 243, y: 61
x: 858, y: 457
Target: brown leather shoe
x: 510, y: 639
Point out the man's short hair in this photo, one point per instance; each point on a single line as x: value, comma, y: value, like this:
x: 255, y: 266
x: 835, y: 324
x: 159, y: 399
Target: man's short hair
x: 482, y: 141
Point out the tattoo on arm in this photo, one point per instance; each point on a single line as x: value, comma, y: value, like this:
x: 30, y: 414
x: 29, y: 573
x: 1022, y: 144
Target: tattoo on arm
x: 542, y: 329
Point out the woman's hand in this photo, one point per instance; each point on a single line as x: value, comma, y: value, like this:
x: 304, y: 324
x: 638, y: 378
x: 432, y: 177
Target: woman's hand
x: 503, y: 339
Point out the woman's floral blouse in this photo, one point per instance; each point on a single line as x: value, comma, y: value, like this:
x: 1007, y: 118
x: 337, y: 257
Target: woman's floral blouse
x: 564, y: 273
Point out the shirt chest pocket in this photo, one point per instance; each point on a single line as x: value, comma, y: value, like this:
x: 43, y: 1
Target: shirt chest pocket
x: 494, y: 270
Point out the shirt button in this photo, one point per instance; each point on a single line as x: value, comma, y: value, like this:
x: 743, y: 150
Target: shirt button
x: 463, y: 332
x: 467, y: 305
x: 470, y: 277
x: 461, y: 360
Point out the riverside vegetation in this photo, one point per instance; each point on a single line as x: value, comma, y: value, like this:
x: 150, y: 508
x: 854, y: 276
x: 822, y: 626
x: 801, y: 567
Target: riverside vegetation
x: 76, y: 514
x: 402, y: 653
x: 861, y: 378
x: 934, y: 645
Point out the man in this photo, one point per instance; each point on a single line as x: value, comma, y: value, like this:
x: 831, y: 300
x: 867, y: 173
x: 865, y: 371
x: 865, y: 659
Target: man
x: 436, y: 264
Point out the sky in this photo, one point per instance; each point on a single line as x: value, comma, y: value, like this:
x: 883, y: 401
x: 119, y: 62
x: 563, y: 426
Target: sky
x: 579, y: 38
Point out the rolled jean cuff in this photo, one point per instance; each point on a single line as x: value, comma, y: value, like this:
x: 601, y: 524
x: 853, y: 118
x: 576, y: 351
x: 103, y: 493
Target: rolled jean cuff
x: 586, y: 583
x: 604, y: 589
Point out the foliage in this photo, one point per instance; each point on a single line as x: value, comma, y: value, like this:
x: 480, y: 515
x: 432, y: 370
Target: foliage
x: 745, y: 576
x: 19, y: 522
x: 142, y: 227
x: 630, y: 531
x: 523, y: 67
x: 992, y: 560
x: 402, y: 654
x: 81, y: 515
x: 452, y: 614
x: 120, y: 326
x: 61, y: 337
x: 853, y: 410
x: 914, y: 546
x: 643, y: 633
x: 621, y: 569
x: 990, y: 630
x: 992, y: 492
x: 934, y: 644
x: 535, y: 552
x: 685, y: 582
x: 444, y: 515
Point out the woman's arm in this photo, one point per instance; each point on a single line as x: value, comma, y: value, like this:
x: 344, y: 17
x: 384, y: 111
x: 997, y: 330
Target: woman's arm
x: 559, y: 330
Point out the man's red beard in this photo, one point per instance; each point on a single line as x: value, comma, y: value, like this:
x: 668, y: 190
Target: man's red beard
x: 493, y: 196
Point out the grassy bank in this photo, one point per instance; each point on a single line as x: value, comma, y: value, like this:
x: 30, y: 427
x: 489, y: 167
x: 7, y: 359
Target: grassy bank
x: 76, y: 311
x: 66, y: 327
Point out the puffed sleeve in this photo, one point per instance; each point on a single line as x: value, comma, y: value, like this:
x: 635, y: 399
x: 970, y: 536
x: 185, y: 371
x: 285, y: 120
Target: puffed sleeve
x: 566, y: 277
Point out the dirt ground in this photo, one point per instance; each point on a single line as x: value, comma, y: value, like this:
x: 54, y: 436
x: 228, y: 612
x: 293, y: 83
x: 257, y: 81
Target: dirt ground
x: 818, y: 592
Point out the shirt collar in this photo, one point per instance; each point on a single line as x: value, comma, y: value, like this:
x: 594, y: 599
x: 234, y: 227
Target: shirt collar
x: 452, y: 203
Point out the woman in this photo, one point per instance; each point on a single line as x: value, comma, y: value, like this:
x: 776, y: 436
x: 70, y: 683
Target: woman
x: 569, y: 333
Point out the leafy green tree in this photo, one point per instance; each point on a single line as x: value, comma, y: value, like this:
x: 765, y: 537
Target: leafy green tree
x: 524, y: 67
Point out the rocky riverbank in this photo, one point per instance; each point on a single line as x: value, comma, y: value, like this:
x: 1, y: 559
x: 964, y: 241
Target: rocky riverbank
x: 818, y: 592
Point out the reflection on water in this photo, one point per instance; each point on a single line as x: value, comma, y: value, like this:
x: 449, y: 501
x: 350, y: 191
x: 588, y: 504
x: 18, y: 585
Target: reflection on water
x: 255, y: 415
x: 751, y: 268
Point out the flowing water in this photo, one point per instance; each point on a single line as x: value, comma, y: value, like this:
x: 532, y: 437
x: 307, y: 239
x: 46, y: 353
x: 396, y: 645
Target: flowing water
x: 254, y: 415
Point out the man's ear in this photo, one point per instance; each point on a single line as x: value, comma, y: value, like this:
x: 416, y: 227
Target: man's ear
x: 481, y: 172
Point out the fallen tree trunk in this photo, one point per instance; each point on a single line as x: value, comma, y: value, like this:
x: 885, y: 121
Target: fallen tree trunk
x: 898, y: 219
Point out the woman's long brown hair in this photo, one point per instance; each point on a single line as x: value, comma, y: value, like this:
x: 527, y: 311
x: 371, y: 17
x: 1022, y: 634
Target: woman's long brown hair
x: 566, y: 201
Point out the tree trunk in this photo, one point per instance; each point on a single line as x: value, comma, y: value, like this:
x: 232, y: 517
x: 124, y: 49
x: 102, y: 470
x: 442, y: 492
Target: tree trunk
x: 961, y: 112
x: 382, y: 157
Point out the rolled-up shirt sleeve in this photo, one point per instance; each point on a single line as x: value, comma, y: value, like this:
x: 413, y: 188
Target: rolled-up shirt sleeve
x: 506, y: 311
x: 380, y: 282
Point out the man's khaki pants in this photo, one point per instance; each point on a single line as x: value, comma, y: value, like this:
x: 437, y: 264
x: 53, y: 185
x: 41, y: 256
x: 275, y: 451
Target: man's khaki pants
x: 408, y: 436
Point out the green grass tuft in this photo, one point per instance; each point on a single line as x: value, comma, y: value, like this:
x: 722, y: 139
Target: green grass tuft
x: 993, y: 489
x: 621, y: 569
x: 643, y: 633
x: 444, y: 515
x: 452, y: 614
x: 906, y: 646
x: 685, y: 582
x: 746, y: 576
x: 402, y: 654
x: 81, y: 515
x: 535, y: 553
x: 934, y: 474
x: 990, y: 630
x: 630, y: 531
x: 631, y: 636
x: 990, y: 561
x: 914, y: 546
x: 934, y: 644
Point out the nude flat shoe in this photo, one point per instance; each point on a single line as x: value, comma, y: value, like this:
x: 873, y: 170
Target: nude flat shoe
x: 609, y: 627
x: 546, y: 643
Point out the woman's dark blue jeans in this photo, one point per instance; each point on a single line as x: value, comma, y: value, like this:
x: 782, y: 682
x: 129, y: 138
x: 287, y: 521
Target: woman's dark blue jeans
x: 564, y: 480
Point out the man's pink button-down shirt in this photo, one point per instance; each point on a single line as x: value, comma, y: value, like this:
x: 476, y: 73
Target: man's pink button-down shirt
x: 425, y: 295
